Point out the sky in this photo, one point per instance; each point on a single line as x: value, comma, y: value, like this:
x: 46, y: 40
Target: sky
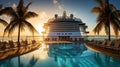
x: 47, y: 8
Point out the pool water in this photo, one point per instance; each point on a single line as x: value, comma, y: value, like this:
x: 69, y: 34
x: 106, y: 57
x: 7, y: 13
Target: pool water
x: 62, y: 55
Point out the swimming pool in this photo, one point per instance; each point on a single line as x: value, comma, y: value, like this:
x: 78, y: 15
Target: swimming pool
x: 62, y: 55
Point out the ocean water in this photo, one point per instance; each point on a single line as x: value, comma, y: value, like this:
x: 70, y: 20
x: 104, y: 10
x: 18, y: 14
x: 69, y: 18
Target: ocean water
x: 62, y: 55
x: 14, y: 38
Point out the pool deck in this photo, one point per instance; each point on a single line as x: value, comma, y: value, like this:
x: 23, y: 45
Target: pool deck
x: 110, y: 51
x: 8, y: 53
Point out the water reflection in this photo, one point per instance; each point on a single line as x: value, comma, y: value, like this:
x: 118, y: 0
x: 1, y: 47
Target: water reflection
x: 12, y: 63
x: 65, y: 54
x: 106, y: 61
x: 62, y: 55
x: 65, y: 50
x: 43, y: 51
x: 31, y: 63
x: 6, y: 63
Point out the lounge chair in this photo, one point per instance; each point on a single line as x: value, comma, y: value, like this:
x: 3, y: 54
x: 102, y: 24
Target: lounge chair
x: 104, y: 43
x: 117, y: 44
x: 109, y: 43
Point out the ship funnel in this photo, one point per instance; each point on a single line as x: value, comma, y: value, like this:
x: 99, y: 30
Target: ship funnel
x: 56, y: 16
x: 64, y: 14
x: 71, y: 16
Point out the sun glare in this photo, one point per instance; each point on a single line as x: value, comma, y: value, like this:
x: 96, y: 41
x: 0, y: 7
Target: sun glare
x: 43, y: 52
x: 40, y: 28
x: 40, y: 20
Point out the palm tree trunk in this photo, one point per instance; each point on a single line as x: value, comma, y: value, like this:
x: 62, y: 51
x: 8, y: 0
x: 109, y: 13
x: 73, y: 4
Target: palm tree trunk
x: 107, y: 12
x: 19, y: 45
x: 3, y: 38
x: 109, y: 34
x: 33, y: 36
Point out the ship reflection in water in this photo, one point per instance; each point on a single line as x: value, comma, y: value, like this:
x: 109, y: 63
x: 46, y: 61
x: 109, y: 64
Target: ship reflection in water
x: 65, y: 54
x: 62, y: 55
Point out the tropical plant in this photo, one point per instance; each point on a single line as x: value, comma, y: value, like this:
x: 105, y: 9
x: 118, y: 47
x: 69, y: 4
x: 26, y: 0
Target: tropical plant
x: 19, y: 16
x: 108, y: 16
x: 3, y: 22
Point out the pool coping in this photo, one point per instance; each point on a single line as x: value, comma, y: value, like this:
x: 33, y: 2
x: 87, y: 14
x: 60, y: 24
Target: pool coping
x: 109, y: 51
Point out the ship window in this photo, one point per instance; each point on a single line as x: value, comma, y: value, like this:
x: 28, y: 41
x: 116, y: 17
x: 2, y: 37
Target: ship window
x: 70, y: 33
x: 65, y: 33
x: 58, y: 33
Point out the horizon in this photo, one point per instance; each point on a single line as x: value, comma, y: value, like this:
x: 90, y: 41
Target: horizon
x: 47, y: 8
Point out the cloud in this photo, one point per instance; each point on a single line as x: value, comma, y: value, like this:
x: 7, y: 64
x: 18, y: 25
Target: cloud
x: 55, y: 1
x: 59, y: 4
x: 14, y: 5
x: 43, y: 15
x: 60, y: 7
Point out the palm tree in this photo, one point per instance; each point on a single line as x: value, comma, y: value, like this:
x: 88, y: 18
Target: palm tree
x: 108, y: 15
x: 3, y: 22
x: 18, y: 20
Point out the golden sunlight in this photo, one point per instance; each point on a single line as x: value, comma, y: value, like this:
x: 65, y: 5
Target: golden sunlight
x: 43, y: 52
x: 43, y: 15
x: 40, y: 28
x: 39, y: 21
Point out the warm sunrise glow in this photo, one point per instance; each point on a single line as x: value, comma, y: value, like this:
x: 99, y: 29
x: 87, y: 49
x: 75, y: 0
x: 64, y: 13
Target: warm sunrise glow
x: 40, y: 28
x: 43, y: 15
x: 39, y: 21
x: 43, y: 52
x: 59, y: 33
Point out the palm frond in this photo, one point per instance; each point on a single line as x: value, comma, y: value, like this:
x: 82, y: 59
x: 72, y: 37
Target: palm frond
x: 8, y: 11
x: 100, y: 18
x: 6, y: 30
x: 20, y: 5
x: 30, y: 15
x: 115, y: 23
x: 21, y: 9
x: 112, y: 7
x: 96, y: 10
x: 116, y: 30
x: 22, y: 27
x: 30, y: 27
x: 3, y: 22
x: 115, y: 20
x: 26, y: 8
x: 117, y: 13
x: 106, y: 29
x: 13, y: 27
x: 98, y: 28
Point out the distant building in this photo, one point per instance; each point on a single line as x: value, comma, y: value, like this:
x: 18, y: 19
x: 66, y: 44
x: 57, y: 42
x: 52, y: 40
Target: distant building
x: 64, y: 28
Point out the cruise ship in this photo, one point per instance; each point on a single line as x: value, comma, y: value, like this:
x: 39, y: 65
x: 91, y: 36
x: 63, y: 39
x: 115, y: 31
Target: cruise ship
x: 64, y: 28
